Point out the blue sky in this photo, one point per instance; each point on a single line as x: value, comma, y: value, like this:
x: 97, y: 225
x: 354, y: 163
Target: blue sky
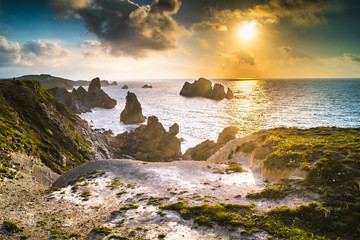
x: 126, y: 39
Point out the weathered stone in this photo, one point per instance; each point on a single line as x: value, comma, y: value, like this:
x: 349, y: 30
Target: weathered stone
x: 133, y: 112
x: 148, y: 142
x: 125, y: 87
x: 94, y: 85
x: 203, y: 88
x: 204, y: 150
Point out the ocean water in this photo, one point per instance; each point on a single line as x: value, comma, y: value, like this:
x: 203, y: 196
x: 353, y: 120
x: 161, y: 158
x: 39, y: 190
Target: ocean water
x: 258, y: 104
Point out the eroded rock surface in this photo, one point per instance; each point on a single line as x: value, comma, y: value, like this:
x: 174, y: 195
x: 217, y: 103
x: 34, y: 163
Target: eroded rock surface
x: 204, y: 150
x: 149, y: 142
x: 133, y: 112
x: 203, y: 88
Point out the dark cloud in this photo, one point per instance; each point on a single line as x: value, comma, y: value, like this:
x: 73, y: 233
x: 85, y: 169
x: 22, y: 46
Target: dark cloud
x: 238, y: 57
x: 124, y: 27
x: 290, y: 54
x: 43, y: 52
x: 300, y: 11
x: 9, y: 52
x: 351, y: 57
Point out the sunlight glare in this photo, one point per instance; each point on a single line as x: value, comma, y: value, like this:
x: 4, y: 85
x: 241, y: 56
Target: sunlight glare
x: 247, y: 30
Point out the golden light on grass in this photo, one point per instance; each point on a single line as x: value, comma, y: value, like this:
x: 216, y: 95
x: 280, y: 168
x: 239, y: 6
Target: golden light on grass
x: 247, y: 30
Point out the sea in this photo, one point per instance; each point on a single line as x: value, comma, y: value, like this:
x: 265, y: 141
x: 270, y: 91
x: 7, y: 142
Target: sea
x: 258, y: 104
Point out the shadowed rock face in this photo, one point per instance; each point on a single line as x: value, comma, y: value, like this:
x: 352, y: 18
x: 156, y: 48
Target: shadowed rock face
x: 204, y: 150
x: 203, y: 88
x: 133, y: 112
x: 94, y: 85
x: 149, y: 142
x: 81, y: 101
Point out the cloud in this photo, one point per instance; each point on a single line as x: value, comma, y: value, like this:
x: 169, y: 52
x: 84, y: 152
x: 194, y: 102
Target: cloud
x: 241, y: 56
x: 92, y: 48
x: 9, y: 52
x: 65, y: 8
x: 300, y: 11
x: 124, y: 27
x: 43, y: 52
x: 351, y: 57
x: 290, y: 54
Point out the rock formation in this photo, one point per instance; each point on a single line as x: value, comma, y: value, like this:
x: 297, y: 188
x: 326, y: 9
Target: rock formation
x: 203, y: 88
x: 38, y: 125
x: 149, y: 142
x: 133, y: 112
x: 125, y: 87
x: 204, y: 150
x: 146, y: 86
x: 80, y: 100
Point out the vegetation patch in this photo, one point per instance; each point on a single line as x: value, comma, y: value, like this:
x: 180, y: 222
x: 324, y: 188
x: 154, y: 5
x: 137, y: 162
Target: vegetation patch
x: 12, y: 227
x: 233, y: 167
x: 28, y: 114
x: 156, y: 201
x: 115, y: 183
x: 274, y: 191
x: 102, y: 230
x: 129, y: 206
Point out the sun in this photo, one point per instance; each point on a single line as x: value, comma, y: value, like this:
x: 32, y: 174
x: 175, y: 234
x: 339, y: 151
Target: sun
x: 247, y: 30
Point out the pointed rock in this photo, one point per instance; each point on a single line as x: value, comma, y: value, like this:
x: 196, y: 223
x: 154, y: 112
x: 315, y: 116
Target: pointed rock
x: 133, y: 112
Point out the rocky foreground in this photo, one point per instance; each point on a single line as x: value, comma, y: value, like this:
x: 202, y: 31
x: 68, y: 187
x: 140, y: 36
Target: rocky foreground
x: 282, y: 183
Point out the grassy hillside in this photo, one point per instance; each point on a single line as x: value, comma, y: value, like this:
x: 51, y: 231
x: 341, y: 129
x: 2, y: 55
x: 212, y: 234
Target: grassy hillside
x: 48, y: 81
x: 35, y: 123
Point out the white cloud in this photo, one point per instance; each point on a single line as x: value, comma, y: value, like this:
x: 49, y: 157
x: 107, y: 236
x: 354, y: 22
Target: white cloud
x: 43, y: 52
x: 9, y: 52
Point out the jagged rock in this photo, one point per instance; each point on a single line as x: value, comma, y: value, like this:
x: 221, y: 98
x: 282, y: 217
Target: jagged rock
x: 94, y: 85
x: 114, y: 83
x: 148, y: 142
x: 204, y: 150
x: 203, y: 88
x: 146, y: 86
x: 125, y: 87
x: 218, y: 92
x: 80, y: 100
x: 133, y: 111
x: 174, y: 129
x: 229, y: 133
x: 229, y: 94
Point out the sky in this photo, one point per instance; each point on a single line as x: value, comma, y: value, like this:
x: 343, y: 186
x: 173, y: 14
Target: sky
x: 164, y: 39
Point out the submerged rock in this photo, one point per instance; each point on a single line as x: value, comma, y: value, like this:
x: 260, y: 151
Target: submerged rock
x: 203, y: 88
x: 133, y: 112
x: 80, y: 100
x: 149, y: 142
x: 204, y: 150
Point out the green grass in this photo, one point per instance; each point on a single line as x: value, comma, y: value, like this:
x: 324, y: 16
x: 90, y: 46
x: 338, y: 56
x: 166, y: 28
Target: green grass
x: 12, y: 227
x: 129, y: 206
x: 102, y: 231
x: 35, y: 123
x: 233, y: 167
x: 274, y: 191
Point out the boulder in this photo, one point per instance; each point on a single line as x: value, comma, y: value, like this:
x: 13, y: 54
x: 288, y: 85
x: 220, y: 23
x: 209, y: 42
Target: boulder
x: 114, y: 83
x: 125, y: 87
x: 149, y: 142
x: 204, y: 150
x: 146, y: 86
x: 203, y: 88
x: 133, y: 112
x: 229, y: 133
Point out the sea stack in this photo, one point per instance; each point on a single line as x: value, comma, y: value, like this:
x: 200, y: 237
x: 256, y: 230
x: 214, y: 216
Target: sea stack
x: 203, y: 88
x: 133, y: 112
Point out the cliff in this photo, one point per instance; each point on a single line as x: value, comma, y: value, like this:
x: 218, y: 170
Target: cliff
x: 34, y: 123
